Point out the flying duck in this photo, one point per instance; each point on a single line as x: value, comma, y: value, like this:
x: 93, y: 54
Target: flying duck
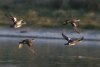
x: 74, y: 23
x: 16, y: 23
x: 27, y: 42
x: 72, y: 42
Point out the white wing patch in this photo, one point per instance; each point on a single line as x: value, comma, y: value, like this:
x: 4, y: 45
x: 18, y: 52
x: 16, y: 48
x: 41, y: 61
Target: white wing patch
x: 75, y: 24
x: 18, y: 24
x: 15, y: 19
x: 20, y: 46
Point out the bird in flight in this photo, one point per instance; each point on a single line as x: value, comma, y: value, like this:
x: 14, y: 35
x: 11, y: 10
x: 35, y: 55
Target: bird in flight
x: 74, y: 23
x: 72, y: 42
x: 16, y: 23
x: 27, y: 42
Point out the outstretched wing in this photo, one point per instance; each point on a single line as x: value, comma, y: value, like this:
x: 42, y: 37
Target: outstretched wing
x: 82, y: 38
x: 20, y: 45
x: 65, y: 37
x: 78, y: 40
x: 76, y: 30
x: 29, y: 42
x: 67, y: 21
x: 14, y: 19
x: 74, y: 24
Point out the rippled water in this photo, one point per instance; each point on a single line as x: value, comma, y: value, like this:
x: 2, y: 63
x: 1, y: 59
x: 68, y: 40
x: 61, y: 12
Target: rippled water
x: 49, y: 53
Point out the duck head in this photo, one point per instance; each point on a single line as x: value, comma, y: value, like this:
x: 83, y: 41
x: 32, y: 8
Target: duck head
x: 77, y: 20
x: 23, y: 22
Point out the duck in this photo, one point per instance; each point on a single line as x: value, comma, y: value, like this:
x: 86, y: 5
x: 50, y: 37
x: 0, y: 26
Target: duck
x: 28, y: 42
x: 16, y: 23
x: 74, y: 23
x: 72, y: 42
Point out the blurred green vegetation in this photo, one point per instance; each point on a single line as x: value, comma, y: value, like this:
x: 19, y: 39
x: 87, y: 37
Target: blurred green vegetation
x: 52, y: 13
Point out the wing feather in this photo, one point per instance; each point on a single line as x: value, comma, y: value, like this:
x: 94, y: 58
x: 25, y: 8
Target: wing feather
x: 76, y: 29
x: 78, y: 40
x: 65, y: 37
x: 20, y: 45
x: 81, y: 38
x: 74, y: 24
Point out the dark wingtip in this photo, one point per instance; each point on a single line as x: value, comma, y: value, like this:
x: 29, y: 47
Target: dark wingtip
x: 76, y: 30
x: 82, y: 38
x: 65, y: 22
x: 62, y: 34
x: 8, y: 15
x: 65, y: 37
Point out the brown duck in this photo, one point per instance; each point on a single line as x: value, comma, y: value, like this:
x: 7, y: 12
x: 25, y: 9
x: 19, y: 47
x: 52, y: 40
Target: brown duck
x: 16, y: 23
x: 27, y: 42
x: 74, y: 23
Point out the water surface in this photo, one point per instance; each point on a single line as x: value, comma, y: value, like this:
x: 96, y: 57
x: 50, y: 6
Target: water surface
x: 49, y: 53
x: 49, y: 47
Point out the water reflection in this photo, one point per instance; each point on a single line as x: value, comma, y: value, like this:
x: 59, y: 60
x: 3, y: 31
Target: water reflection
x: 50, y: 53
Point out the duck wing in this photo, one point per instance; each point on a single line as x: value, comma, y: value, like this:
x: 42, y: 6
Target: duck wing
x: 78, y: 40
x: 76, y: 30
x: 20, y: 45
x: 74, y: 24
x: 65, y: 37
x: 82, y: 38
x: 30, y: 46
x: 66, y: 21
x: 29, y: 42
x: 14, y: 19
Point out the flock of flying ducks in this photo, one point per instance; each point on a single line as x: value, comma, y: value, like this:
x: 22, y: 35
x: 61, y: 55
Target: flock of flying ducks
x: 70, y: 42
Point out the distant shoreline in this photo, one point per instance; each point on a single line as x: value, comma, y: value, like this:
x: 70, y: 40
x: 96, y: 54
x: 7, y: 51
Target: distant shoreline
x: 88, y: 27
